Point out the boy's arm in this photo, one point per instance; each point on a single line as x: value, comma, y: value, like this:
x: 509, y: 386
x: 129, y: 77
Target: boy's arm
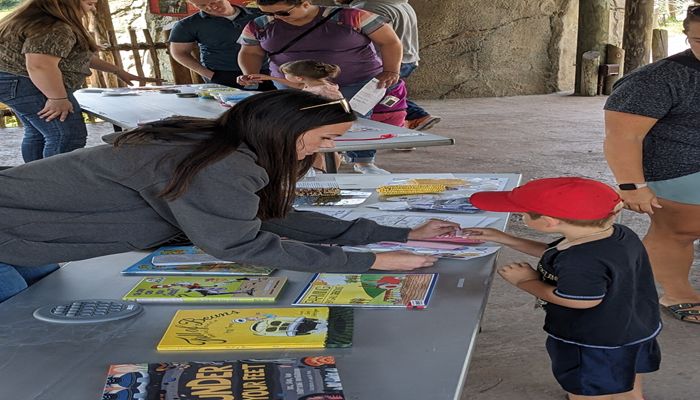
x: 527, y: 246
x: 522, y: 276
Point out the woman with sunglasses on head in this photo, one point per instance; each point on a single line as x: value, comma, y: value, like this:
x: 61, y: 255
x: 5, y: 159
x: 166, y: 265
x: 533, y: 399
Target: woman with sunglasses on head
x: 293, y: 30
x: 652, y: 145
x: 227, y: 184
x: 45, y: 55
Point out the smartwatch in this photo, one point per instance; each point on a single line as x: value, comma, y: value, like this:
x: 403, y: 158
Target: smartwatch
x: 631, y: 186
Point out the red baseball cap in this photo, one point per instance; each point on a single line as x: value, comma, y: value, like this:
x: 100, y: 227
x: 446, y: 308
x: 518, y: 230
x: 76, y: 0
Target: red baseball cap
x: 567, y: 197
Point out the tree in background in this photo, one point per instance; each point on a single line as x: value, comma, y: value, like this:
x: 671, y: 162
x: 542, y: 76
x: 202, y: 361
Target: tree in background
x: 8, y: 4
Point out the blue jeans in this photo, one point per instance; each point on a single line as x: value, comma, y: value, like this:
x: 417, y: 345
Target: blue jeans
x: 15, y: 279
x: 363, y: 156
x: 41, y: 139
x: 413, y: 110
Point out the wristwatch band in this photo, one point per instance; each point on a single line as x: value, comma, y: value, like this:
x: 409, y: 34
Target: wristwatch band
x: 631, y: 186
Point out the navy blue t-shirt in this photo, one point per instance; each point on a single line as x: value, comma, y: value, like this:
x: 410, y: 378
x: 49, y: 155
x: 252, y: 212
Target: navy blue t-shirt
x: 615, y: 269
x: 216, y: 37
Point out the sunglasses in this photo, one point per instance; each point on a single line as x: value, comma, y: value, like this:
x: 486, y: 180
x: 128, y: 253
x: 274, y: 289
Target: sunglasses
x: 342, y: 102
x: 695, y: 10
x: 284, y: 13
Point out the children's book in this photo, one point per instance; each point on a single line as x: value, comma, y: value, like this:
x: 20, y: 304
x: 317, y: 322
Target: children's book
x: 447, y: 250
x: 200, y: 289
x: 145, y: 266
x: 368, y: 290
x: 258, y: 328
x: 304, y: 378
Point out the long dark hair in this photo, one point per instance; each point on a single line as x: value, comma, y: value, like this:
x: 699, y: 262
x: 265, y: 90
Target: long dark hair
x: 269, y: 124
x: 33, y: 17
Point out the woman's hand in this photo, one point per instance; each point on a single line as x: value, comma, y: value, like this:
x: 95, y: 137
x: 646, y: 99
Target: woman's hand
x: 387, y: 79
x: 486, y: 234
x: 129, y: 78
x: 58, y: 108
x: 641, y: 201
x: 434, y: 228
x: 402, y: 261
x: 517, y: 273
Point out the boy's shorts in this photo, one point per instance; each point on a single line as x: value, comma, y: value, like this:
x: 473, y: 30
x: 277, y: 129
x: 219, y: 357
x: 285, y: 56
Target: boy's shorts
x: 589, y: 371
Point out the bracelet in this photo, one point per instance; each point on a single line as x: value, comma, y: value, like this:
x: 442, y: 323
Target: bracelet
x: 57, y: 98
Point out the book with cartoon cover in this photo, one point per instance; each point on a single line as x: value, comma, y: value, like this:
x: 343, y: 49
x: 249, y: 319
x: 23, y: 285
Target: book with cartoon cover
x: 368, y: 290
x: 204, y: 289
x: 145, y: 266
x: 305, y: 378
x: 258, y: 328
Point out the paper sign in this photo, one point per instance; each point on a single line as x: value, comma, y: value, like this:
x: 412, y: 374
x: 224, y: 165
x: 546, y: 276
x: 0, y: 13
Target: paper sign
x: 368, y: 97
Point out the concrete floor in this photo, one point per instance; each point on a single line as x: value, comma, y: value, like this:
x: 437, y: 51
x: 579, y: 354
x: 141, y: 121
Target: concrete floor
x: 537, y: 136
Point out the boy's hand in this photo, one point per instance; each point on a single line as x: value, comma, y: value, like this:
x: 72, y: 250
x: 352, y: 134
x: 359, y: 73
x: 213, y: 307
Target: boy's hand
x: 434, y: 228
x: 517, y: 273
x: 486, y: 234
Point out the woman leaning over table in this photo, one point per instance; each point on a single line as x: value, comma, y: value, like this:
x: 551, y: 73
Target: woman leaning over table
x: 45, y: 55
x: 346, y: 37
x: 228, y: 184
x: 652, y: 144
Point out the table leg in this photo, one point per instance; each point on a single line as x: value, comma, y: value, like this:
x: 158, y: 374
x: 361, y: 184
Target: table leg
x: 331, y: 166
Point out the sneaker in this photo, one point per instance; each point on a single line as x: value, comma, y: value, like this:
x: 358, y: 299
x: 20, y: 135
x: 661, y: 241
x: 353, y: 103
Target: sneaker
x: 369, y: 168
x: 422, y: 123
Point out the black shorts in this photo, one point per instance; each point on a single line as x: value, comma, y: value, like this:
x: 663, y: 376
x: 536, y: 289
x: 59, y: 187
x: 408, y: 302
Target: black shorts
x: 589, y: 371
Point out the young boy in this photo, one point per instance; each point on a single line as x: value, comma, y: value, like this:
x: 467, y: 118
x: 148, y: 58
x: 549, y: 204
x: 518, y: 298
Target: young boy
x: 595, y: 284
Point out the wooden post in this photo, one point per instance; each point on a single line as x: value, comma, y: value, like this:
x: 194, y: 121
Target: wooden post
x: 659, y: 44
x: 590, y: 63
x: 135, y: 52
x: 154, y: 57
x: 636, y: 40
x: 102, y: 25
x: 593, y: 26
x: 613, y: 55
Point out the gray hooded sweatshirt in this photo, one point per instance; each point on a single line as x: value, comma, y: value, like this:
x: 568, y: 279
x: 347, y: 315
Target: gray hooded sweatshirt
x: 104, y: 200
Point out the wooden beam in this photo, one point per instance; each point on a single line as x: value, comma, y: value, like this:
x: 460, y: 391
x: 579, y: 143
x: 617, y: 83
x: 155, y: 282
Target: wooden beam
x: 659, y: 44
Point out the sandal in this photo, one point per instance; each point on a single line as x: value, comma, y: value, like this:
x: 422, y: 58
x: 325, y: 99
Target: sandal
x: 681, y: 311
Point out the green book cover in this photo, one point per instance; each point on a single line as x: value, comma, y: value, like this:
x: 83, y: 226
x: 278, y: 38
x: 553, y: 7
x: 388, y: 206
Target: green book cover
x: 202, y: 289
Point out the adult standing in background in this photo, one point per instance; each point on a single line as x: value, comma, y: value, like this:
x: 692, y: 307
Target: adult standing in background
x: 214, y: 30
x: 403, y: 19
x: 293, y: 30
x: 652, y: 144
x: 45, y: 55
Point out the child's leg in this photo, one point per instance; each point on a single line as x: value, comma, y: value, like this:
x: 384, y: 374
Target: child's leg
x: 634, y: 394
x: 579, y: 397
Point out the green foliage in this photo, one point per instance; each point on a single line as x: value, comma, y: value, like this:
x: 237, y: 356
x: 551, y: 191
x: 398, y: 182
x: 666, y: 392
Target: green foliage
x: 6, y: 5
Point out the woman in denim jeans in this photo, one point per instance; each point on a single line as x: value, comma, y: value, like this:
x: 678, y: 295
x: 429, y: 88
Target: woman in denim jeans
x: 45, y: 54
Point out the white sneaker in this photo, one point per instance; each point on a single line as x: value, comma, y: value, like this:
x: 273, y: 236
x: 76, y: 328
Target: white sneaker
x: 369, y: 168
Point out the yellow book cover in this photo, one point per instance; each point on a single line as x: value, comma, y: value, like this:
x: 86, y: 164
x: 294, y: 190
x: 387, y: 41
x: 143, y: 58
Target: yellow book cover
x: 258, y: 328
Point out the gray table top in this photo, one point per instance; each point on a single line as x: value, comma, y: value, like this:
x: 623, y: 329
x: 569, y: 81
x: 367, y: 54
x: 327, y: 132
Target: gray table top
x: 396, y: 354
x: 128, y: 111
